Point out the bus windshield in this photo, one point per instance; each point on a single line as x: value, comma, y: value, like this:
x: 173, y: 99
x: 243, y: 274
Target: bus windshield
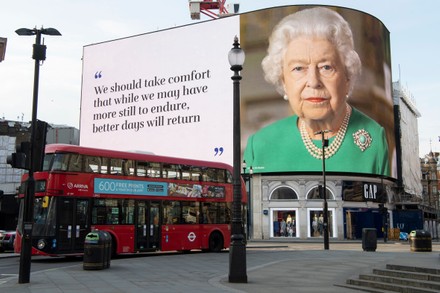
x: 55, y: 162
x: 44, y: 217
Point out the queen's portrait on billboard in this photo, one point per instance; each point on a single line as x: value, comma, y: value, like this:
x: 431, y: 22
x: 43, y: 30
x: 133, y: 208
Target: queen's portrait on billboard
x: 312, y: 63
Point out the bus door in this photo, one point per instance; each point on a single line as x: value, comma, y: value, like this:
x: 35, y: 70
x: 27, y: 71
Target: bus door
x: 147, y: 225
x: 73, y: 224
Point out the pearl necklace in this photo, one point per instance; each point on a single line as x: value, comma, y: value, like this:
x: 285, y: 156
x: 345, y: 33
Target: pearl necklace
x: 333, y: 147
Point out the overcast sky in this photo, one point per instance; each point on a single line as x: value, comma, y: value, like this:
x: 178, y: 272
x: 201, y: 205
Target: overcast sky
x: 414, y: 29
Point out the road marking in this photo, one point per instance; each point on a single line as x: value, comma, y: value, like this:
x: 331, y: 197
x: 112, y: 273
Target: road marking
x: 7, y: 277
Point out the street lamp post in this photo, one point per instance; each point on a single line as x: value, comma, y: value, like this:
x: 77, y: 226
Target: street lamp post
x: 324, y: 189
x: 248, y: 182
x: 237, y: 250
x: 39, y: 54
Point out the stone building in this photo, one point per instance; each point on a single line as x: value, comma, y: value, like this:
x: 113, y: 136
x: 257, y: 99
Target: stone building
x: 429, y: 203
x: 12, y: 133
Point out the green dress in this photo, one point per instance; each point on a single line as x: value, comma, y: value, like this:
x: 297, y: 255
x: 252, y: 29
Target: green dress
x: 279, y: 147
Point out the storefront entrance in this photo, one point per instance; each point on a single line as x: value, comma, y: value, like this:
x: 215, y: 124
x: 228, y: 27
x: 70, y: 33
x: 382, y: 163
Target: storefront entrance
x: 357, y: 219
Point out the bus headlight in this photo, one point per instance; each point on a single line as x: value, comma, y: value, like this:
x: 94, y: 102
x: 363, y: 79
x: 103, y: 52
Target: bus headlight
x: 41, y: 244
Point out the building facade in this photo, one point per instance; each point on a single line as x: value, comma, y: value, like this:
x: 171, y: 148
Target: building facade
x: 429, y: 203
x: 407, y: 214
x: 12, y: 133
x: 290, y: 206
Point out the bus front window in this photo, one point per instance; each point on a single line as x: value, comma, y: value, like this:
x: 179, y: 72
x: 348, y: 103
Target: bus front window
x: 44, y: 217
x: 47, y: 161
x: 59, y: 162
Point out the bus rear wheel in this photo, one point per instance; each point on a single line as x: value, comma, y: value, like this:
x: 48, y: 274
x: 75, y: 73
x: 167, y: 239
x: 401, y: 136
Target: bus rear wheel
x: 216, y: 242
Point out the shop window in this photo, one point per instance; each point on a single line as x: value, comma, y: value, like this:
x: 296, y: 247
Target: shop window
x: 316, y: 223
x: 283, y: 193
x: 284, y: 223
x: 314, y: 194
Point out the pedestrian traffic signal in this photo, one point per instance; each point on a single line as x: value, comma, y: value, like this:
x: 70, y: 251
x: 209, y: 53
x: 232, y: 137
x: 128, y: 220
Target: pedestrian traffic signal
x: 20, y: 159
x: 40, y: 145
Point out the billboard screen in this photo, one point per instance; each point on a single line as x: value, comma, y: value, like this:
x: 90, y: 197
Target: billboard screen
x: 167, y: 93
x: 327, y: 72
x: 170, y: 92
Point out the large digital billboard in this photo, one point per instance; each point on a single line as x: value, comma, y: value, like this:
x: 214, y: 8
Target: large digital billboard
x: 167, y: 92
x: 170, y: 92
x: 312, y: 71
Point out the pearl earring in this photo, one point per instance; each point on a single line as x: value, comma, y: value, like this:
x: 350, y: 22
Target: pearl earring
x: 286, y: 98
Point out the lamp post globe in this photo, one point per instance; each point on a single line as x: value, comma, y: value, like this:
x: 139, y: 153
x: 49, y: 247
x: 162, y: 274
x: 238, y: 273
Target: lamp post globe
x: 236, y: 56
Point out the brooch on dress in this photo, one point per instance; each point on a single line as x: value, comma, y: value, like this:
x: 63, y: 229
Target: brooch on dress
x: 362, y: 139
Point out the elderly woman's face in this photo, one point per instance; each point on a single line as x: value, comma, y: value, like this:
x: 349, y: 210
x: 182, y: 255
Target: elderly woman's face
x: 315, y: 80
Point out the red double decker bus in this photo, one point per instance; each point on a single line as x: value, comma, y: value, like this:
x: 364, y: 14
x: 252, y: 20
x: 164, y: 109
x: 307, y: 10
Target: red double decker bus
x: 146, y: 202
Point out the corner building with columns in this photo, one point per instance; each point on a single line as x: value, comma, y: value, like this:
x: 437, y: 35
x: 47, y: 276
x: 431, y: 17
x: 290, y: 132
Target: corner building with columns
x: 283, y: 206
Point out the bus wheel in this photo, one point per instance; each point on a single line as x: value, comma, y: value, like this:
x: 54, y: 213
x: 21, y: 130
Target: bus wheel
x: 216, y: 242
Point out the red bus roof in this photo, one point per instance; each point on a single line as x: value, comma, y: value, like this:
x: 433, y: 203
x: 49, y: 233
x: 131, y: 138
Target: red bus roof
x: 68, y: 148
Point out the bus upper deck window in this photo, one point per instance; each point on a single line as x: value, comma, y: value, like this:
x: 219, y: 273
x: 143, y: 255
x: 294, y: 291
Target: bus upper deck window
x: 93, y: 164
x: 75, y: 163
x: 60, y: 162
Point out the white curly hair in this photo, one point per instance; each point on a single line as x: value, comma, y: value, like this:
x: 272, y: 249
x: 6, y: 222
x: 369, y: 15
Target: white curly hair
x: 313, y: 22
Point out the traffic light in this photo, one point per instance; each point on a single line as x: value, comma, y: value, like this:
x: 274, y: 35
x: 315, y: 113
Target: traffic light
x: 20, y: 159
x: 40, y: 145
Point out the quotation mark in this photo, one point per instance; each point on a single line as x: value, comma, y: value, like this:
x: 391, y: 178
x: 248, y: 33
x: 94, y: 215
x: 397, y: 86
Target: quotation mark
x: 218, y: 150
x: 98, y: 74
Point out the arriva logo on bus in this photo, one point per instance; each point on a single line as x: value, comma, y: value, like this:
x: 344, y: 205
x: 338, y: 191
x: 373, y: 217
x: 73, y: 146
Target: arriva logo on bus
x: 71, y: 185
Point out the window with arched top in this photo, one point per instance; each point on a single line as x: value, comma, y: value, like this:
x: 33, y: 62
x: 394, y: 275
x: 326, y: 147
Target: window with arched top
x: 283, y: 193
x: 314, y: 194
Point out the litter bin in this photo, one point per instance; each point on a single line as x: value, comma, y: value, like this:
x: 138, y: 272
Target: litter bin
x: 420, y: 240
x: 97, y: 250
x: 369, y: 239
x: 107, y: 248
